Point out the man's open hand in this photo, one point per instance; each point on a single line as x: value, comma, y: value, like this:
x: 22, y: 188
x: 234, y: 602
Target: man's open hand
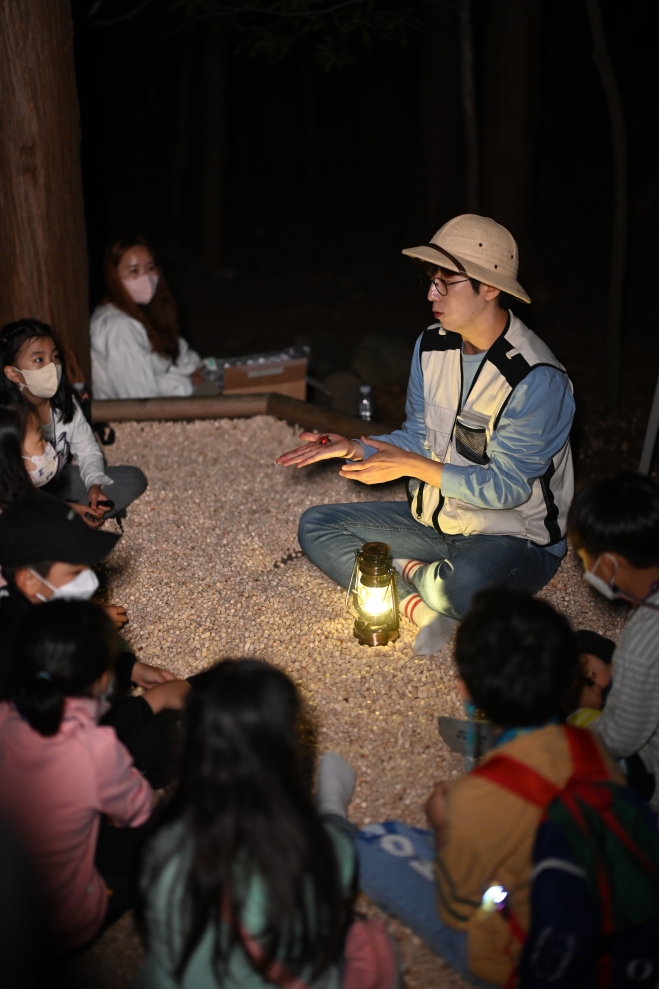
x: 313, y: 450
x: 391, y: 462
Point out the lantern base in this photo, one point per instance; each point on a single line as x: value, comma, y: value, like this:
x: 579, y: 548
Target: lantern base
x: 369, y: 637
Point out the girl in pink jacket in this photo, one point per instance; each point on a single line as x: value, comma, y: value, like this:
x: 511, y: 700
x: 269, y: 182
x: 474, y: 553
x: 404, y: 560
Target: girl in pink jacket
x: 60, y: 772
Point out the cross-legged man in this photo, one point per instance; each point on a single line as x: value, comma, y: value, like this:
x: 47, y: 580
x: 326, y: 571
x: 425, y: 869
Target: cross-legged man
x: 485, y: 446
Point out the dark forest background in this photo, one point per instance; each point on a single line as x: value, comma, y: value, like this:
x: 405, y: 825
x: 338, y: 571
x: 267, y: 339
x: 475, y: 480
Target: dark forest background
x: 279, y: 195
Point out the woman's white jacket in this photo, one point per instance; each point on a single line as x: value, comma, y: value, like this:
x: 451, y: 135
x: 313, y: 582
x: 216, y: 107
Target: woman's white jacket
x: 125, y: 366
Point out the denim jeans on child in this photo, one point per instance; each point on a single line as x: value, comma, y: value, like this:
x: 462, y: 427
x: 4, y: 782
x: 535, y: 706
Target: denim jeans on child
x: 396, y: 872
x: 331, y: 534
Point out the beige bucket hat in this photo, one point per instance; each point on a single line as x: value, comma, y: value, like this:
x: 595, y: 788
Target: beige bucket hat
x: 475, y: 246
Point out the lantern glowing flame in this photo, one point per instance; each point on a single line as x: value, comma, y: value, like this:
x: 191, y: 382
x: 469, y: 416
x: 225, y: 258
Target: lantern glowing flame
x: 372, y: 598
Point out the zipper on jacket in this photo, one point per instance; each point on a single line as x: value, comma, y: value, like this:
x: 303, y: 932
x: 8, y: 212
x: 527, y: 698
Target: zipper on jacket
x: 419, y: 499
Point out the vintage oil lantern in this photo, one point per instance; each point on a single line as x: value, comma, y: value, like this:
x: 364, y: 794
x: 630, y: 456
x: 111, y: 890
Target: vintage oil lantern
x: 372, y: 597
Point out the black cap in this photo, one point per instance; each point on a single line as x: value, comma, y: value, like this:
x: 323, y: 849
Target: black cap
x: 41, y: 527
x: 595, y: 645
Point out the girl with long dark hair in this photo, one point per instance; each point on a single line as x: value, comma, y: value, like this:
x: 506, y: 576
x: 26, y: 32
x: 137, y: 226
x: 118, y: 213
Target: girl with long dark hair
x: 31, y: 365
x: 60, y: 771
x: 15, y: 482
x: 137, y: 351
x: 244, y: 885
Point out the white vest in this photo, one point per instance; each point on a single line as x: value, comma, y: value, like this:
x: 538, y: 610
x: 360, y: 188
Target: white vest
x: 463, y: 439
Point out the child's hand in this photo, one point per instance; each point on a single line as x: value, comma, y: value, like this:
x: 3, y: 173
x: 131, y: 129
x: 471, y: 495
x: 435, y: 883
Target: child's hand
x: 94, y: 494
x: 117, y: 613
x: 595, y: 669
x: 436, y: 805
x: 149, y: 676
x: 92, y: 517
x: 591, y: 696
x: 168, y: 696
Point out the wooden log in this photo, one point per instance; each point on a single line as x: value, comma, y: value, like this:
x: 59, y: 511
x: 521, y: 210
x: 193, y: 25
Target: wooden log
x: 234, y: 406
x: 317, y: 417
x: 43, y: 255
x: 149, y: 409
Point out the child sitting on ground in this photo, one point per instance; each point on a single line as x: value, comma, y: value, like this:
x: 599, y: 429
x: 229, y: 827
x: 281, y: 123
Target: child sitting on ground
x: 60, y: 771
x: 26, y: 461
x: 46, y: 553
x: 245, y: 885
x: 516, y: 660
x: 614, y: 527
x: 31, y: 364
x: 14, y: 479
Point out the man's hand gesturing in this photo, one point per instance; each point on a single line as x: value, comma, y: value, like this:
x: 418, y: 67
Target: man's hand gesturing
x: 313, y: 450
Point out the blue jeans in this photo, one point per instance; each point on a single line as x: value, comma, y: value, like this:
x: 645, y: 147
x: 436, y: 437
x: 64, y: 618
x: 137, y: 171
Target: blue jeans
x: 396, y: 872
x: 459, y: 566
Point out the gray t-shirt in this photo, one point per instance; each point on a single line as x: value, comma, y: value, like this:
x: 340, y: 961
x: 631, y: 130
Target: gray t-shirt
x: 470, y: 364
x: 630, y: 721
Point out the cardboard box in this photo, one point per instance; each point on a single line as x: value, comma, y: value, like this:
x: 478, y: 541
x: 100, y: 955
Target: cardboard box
x: 285, y: 376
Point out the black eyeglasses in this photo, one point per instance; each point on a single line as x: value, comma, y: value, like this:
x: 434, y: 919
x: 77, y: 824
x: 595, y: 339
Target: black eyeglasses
x: 440, y: 285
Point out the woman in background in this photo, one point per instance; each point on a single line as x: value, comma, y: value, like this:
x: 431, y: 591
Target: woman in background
x: 137, y: 351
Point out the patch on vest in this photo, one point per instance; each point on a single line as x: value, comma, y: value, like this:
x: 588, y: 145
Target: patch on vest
x: 471, y: 437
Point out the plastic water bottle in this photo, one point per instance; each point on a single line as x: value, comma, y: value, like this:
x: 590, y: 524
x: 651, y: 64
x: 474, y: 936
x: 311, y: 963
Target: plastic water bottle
x: 365, y: 403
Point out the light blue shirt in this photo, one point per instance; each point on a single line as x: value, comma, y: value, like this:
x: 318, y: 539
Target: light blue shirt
x: 533, y: 428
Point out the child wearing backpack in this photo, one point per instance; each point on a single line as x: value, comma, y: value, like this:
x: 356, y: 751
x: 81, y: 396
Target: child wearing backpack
x: 516, y: 659
x: 60, y: 772
x: 31, y: 364
x: 614, y: 527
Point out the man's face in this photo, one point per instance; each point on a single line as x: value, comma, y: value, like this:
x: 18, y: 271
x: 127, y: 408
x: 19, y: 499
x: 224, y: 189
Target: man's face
x: 461, y: 306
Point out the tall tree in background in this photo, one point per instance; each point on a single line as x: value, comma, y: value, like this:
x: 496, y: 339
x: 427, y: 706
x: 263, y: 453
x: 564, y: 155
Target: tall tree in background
x: 442, y: 149
x: 213, y: 183
x: 509, y: 117
x: 43, y: 254
x: 620, y: 207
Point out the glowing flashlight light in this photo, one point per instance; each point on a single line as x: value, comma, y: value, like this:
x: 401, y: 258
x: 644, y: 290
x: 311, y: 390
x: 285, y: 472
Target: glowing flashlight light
x: 494, y: 898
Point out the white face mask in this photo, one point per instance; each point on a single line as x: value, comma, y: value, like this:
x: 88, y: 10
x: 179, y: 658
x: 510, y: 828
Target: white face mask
x: 609, y: 591
x: 45, y: 466
x: 81, y: 588
x: 142, y: 289
x: 44, y: 382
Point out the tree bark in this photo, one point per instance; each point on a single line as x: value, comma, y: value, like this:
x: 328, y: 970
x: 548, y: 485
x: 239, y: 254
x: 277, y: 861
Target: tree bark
x: 43, y: 252
x: 510, y: 108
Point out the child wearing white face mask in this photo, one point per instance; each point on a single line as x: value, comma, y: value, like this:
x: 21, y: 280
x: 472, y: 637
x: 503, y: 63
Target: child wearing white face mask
x: 31, y: 367
x: 137, y: 351
x: 614, y: 527
x: 46, y: 553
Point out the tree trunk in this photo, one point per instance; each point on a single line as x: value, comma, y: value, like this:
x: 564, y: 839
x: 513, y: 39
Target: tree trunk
x: 213, y: 150
x: 469, y: 106
x: 441, y: 143
x: 620, y: 207
x: 43, y: 252
x: 509, y: 117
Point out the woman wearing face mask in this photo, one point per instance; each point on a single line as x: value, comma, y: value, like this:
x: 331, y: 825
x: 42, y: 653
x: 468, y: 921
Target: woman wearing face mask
x: 31, y: 366
x: 136, y: 348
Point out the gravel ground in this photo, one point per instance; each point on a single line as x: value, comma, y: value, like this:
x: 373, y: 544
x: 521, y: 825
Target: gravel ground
x: 209, y: 567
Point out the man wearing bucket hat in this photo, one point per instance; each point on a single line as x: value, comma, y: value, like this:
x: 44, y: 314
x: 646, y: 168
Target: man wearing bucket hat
x: 485, y: 446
